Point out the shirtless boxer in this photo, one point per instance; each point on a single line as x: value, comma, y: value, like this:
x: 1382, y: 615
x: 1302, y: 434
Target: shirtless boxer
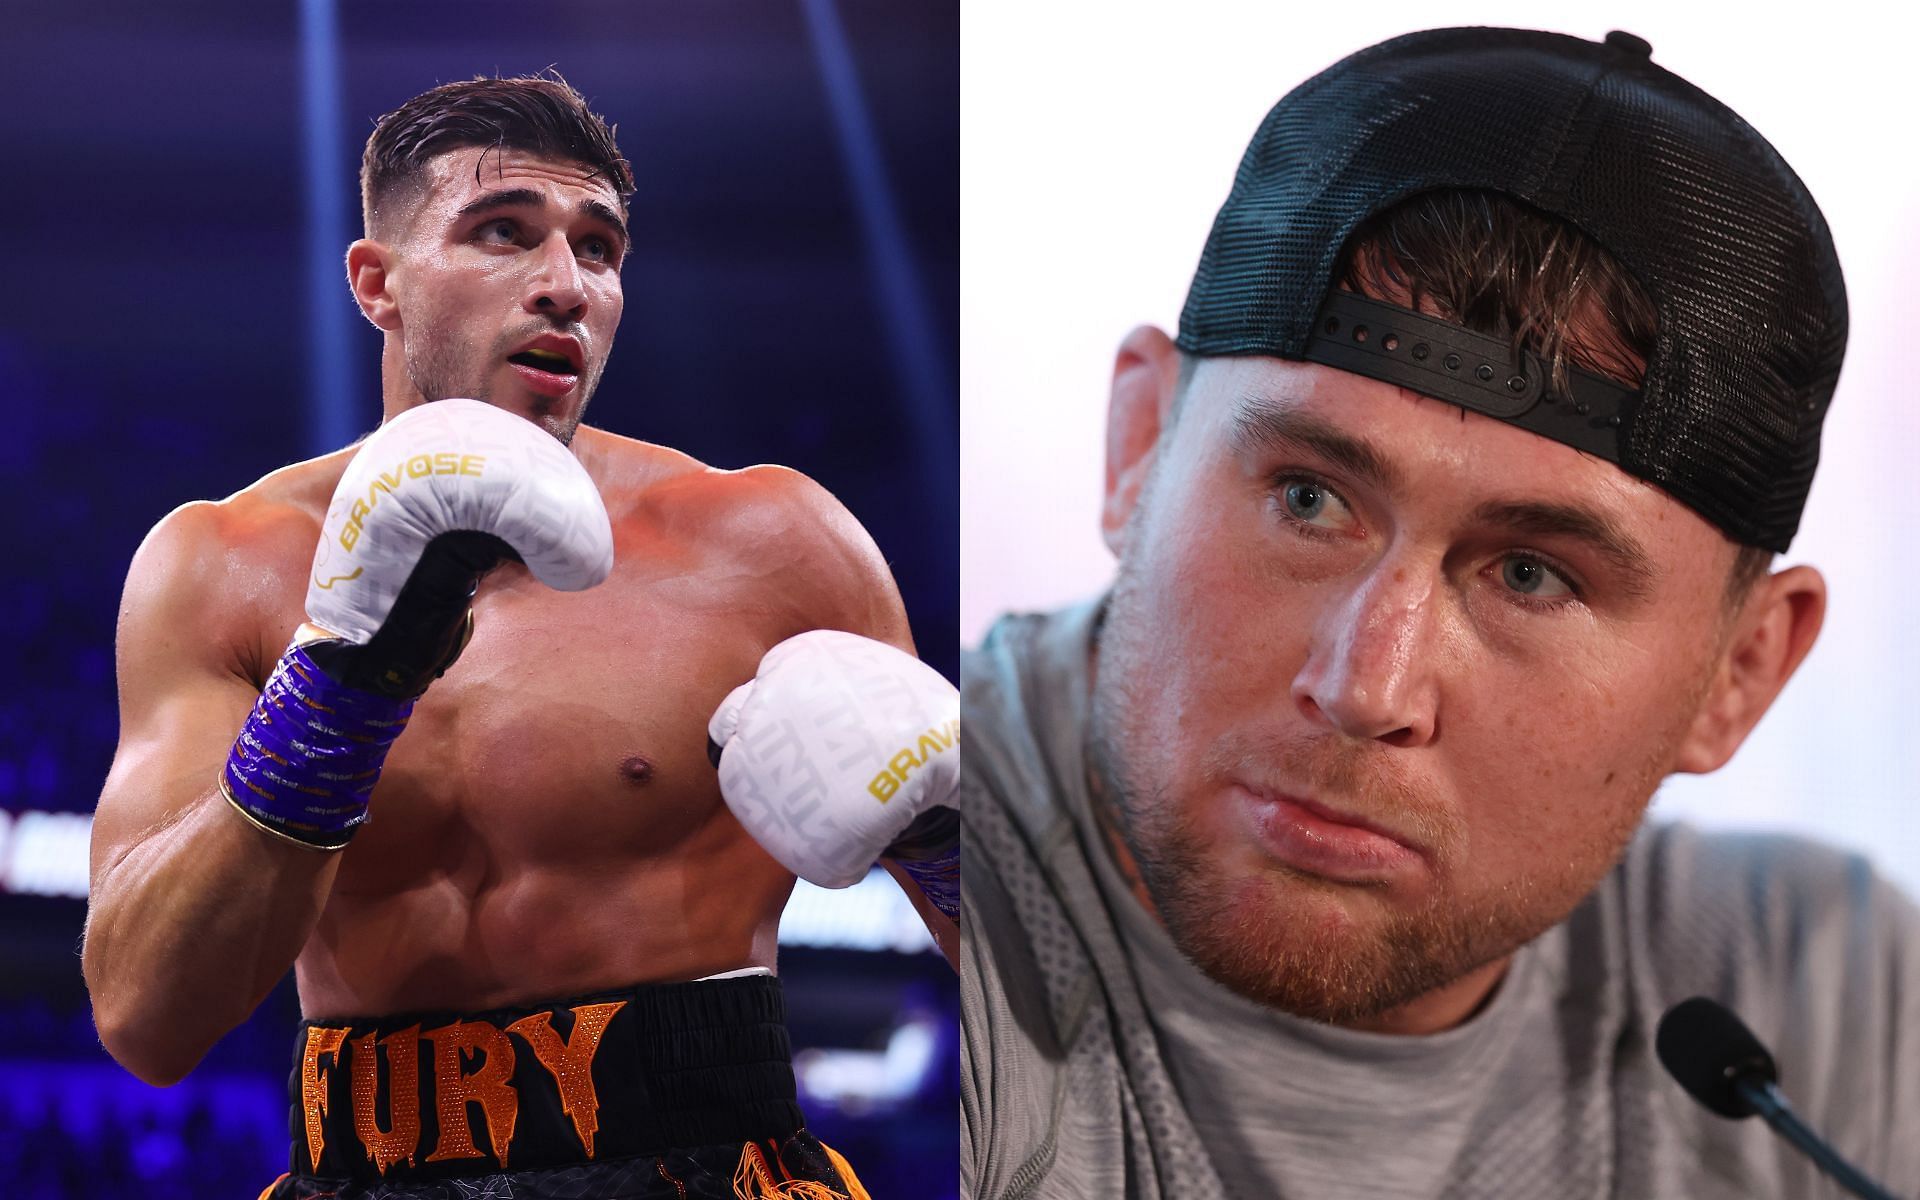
x: 503, y: 952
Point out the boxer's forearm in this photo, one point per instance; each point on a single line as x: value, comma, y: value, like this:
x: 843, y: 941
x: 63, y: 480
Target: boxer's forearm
x: 191, y: 929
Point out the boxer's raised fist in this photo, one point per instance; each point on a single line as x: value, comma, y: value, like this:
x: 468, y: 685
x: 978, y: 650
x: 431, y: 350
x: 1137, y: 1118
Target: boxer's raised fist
x: 833, y: 749
x: 435, y: 498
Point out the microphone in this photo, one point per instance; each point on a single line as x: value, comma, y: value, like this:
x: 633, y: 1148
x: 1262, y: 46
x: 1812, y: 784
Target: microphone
x: 1717, y: 1059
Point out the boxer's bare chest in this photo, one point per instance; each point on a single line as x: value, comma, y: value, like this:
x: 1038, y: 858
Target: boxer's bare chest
x: 572, y: 731
x: 548, y: 823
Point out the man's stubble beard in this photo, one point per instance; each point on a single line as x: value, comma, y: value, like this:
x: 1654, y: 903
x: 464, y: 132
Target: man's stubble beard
x: 435, y: 366
x: 1242, y: 937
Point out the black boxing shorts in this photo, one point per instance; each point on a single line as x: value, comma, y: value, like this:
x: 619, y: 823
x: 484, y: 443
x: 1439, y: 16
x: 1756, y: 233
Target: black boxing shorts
x: 679, y: 1091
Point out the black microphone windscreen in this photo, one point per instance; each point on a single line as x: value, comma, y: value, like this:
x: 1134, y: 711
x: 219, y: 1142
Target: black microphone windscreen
x: 1708, y: 1049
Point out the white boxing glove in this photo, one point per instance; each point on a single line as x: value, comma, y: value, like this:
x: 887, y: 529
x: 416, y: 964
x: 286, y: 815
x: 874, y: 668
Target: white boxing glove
x: 833, y: 749
x: 447, y: 466
x: 434, y: 499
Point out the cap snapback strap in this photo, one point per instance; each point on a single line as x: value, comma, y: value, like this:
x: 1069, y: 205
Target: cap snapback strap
x: 1399, y: 346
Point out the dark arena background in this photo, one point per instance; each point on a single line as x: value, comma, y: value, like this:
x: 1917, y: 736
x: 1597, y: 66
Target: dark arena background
x: 180, y: 192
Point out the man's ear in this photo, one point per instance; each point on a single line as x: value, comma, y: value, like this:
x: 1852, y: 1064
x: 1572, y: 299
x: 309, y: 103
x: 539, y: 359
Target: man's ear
x: 368, y: 263
x: 1146, y: 376
x: 1772, y: 634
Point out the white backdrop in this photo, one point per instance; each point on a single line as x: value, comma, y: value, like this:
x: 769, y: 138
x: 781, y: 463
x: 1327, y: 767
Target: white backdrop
x: 1097, y: 141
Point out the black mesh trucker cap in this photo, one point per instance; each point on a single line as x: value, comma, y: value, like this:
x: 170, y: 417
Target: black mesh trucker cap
x: 1714, y: 225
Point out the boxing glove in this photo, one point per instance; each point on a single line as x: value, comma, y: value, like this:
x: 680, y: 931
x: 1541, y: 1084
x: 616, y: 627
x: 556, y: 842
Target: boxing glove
x: 842, y: 749
x: 434, y: 499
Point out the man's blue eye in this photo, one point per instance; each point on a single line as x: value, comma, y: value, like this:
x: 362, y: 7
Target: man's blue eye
x: 1531, y: 577
x: 1306, y: 500
x: 1311, y: 505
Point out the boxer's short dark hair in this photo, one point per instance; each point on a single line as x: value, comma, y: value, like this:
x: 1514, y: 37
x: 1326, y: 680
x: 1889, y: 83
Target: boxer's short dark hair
x: 1501, y: 267
x: 538, y: 114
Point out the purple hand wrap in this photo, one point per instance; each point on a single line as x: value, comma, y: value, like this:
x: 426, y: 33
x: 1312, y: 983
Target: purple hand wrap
x: 308, y: 757
x: 939, y: 878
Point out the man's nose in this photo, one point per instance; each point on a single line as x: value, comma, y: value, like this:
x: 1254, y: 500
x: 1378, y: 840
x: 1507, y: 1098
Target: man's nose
x: 1372, y: 666
x: 556, y: 289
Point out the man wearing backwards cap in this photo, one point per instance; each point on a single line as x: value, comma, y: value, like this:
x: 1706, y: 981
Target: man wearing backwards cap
x: 529, y: 936
x: 1309, y: 861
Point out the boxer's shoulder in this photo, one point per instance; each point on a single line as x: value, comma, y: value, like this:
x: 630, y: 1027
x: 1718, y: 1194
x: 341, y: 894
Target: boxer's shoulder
x: 764, y: 509
x: 810, y: 549
x: 627, y: 469
x: 798, y: 540
x: 644, y: 481
x: 277, y: 514
x: 234, y: 569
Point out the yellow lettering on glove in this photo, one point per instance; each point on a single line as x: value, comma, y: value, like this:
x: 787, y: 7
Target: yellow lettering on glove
x: 935, y: 741
x: 418, y: 467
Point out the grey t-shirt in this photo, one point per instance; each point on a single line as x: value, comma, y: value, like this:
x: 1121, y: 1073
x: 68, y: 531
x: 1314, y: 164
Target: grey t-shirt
x: 1098, y: 1063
